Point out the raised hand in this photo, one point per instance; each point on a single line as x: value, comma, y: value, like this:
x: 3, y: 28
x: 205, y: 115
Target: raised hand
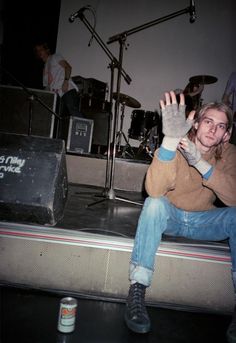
x: 174, y: 122
x: 189, y: 151
x: 193, y: 156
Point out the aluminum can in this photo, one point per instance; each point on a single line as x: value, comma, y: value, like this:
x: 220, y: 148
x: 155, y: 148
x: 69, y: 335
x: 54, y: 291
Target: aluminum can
x: 67, y: 315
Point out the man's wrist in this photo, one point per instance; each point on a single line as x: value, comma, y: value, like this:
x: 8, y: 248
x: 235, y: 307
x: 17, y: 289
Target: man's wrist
x: 203, y: 166
x: 168, y: 148
x: 170, y: 143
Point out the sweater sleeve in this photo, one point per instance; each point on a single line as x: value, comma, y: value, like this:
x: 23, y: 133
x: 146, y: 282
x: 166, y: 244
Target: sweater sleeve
x: 161, y: 176
x: 223, y: 178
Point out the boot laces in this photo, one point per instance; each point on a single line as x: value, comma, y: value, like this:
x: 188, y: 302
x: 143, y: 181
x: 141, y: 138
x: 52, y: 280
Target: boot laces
x: 136, y: 299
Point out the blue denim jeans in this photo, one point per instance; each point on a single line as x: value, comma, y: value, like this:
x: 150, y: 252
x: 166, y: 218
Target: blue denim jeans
x: 159, y: 216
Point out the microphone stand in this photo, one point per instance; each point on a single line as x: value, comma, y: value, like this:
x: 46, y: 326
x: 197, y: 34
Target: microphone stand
x: 111, y: 192
x: 32, y: 97
x: 108, y: 193
x: 121, y: 38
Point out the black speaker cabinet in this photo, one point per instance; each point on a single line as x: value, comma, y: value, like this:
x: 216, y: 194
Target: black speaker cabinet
x: 17, y: 106
x: 33, y: 179
x: 100, y: 127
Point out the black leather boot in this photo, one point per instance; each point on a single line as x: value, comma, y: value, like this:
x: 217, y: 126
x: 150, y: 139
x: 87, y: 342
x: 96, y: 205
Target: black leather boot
x: 136, y: 316
x: 231, y: 332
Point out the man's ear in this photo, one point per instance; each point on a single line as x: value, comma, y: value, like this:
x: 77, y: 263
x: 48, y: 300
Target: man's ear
x: 195, y: 125
x: 227, y: 136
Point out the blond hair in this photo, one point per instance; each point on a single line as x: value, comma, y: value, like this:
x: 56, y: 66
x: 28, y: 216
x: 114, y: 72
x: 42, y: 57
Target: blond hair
x: 199, y: 115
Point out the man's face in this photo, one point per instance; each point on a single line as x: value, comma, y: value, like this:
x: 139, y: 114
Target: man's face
x: 211, y: 130
x: 41, y: 52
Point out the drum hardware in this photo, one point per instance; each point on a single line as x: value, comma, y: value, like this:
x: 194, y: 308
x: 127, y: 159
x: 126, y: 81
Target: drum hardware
x: 192, y: 93
x: 154, y: 139
x: 125, y: 100
x: 142, y: 122
x: 144, y: 147
x: 151, y: 142
x: 194, y: 89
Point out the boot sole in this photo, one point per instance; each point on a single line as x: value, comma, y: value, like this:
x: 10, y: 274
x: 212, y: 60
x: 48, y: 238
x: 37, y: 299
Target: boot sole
x: 137, y: 328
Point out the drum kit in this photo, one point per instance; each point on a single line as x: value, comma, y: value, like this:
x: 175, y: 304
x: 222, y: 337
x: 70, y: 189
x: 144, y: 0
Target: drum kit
x: 193, y: 91
x: 146, y: 125
x: 125, y: 100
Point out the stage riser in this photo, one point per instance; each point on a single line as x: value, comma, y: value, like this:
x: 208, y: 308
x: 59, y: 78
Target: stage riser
x: 75, y: 268
x: 128, y: 176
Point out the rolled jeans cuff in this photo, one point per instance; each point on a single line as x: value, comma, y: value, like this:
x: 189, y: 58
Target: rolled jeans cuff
x: 140, y: 274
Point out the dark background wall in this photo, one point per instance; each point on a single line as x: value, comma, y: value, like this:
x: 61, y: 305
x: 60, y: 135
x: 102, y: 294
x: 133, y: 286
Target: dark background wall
x: 25, y: 23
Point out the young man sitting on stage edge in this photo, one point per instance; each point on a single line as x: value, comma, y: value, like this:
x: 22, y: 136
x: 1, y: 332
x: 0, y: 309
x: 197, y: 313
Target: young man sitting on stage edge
x: 194, y: 165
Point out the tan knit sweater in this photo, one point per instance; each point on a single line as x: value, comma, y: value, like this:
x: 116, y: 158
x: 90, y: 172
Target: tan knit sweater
x: 185, y: 187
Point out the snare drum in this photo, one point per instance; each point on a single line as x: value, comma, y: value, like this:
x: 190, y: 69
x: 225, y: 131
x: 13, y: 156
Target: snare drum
x: 141, y: 123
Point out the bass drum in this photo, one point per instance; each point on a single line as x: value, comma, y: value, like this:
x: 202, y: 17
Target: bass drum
x: 141, y: 123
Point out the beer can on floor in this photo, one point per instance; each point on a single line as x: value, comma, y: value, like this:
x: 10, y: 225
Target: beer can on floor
x: 67, y: 315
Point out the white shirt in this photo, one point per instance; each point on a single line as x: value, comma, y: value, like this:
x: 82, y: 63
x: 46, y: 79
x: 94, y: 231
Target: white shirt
x: 54, y: 75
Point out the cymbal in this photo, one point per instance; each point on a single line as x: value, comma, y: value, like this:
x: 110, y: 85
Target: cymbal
x: 127, y: 100
x: 203, y: 79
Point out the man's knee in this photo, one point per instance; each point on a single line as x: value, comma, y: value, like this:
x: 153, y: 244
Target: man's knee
x: 153, y: 205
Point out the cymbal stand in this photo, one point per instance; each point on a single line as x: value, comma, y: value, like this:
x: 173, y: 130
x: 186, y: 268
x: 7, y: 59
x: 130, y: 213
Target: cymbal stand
x: 121, y: 134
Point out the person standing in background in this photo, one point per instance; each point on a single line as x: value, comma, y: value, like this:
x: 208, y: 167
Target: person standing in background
x: 57, y: 78
x: 229, y: 98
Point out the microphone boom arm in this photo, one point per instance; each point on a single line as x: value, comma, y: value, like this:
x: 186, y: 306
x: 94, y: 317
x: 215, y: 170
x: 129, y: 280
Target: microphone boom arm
x: 117, y: 37
x: 121, y: 38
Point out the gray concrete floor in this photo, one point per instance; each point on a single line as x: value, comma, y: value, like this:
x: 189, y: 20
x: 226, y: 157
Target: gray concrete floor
x: 115, y: 217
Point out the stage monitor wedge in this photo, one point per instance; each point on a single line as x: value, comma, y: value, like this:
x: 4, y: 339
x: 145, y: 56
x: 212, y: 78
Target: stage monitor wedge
x: 33, y: 179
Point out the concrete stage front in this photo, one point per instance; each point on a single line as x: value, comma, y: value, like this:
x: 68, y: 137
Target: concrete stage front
x: 88, y: 252
x: 129, y: 175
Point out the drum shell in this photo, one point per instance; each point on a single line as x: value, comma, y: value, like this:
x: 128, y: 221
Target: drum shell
x: 141, y: 123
